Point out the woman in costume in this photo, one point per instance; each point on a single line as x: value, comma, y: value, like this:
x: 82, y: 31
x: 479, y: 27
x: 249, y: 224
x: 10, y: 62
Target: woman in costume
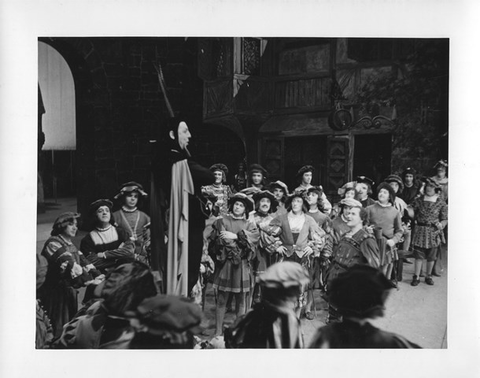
x: 106, y: 246
x: 235, y: 241
x: 132, y: 220
x: 68, y: 270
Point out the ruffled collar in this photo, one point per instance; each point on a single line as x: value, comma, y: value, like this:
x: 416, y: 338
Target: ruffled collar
x: 127, y: 210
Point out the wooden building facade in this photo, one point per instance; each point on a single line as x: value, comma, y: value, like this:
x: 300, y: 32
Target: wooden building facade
x: 293, y: 101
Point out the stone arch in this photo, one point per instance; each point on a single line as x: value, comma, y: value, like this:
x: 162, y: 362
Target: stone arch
x: 91, y: 107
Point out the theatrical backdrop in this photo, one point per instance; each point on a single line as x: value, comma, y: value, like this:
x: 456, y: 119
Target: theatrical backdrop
x: 347, y: 106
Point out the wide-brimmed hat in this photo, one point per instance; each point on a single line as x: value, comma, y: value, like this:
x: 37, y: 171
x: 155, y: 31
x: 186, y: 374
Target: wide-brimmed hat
x: 397, y: 179
x: 98, y: 203
x: 297, y: 193
x: 62, y: 221
x: 430, y: 181
x: 126, y: 287
x: 130, y: 187
x: 257, y: 168
x: 250, y: 191
x: 316, y: 189
x: 285, y: 275
x: 246, y: 200
x: 365, y: 180
x: 359, y: 291
x: 279, y: 184
x: 266, y: 194
x: 350, y: 202
x: 304, y: 169
x: 346, y: 187
x: 386, y: 186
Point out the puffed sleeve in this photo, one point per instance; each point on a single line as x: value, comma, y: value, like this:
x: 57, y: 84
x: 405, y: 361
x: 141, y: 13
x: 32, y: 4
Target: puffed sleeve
x: 69, y: 268
x: 370, y: 251
x: 249, y: 237
x: 268, y: 242
x: 275, y: 227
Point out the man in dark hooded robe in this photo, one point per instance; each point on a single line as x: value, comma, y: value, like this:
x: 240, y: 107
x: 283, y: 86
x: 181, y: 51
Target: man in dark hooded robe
x: 176, y: 186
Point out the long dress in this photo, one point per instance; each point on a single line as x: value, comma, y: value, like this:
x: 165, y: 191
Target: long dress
x: 233, y: 270
x: 68, y: 270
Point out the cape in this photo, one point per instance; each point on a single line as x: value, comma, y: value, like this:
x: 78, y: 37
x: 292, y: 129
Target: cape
x: 177, y: 251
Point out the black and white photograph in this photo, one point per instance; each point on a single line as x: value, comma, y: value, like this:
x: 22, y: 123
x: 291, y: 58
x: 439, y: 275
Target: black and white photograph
x: 248, y: 188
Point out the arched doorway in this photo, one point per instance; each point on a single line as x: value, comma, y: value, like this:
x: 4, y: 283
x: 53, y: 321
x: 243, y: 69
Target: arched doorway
x: 58, y: 123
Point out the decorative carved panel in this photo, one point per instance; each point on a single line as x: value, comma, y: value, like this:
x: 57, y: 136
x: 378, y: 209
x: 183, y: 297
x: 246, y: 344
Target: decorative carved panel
x: 251, y: 56
x: 338, y: 161
x: 302, y: 93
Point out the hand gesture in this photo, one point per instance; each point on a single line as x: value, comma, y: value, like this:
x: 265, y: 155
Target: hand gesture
x: 228, y: 235
x: 390, y: 243
x: 282, y: 250
x: 308, y: 250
